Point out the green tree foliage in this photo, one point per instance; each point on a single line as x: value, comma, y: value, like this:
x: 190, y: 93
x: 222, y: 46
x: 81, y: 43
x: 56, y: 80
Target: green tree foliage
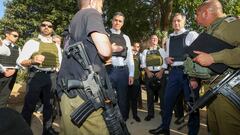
x: 26, y: 15
x: 143, y: 17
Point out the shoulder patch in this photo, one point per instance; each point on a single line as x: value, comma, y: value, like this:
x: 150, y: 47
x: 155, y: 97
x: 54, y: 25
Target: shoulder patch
x: 230, y: 19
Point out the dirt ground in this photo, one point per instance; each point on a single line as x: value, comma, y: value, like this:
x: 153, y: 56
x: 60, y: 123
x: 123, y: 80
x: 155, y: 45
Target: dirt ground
x: 136, y: 128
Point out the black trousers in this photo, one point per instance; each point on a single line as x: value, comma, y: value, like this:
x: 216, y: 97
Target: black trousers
x: 119, y: 79
x: 134, y: 91
x: 163, y: 81
x: 39, y: 83
x: 6, y: 86
x: 150, y: 93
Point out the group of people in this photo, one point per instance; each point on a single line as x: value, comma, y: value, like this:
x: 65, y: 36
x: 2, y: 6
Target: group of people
x: 114, y: 59
x: 41, y: 56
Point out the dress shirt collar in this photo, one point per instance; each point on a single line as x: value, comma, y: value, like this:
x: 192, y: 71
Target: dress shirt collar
x: 153, y: 47
x: 45, y: 39
x: 7, y: 43
x: 115, y: 31
x: 179, y: 32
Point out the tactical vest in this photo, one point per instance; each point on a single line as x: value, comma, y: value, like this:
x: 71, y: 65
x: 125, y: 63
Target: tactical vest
x: 154, y: 58
x: 120, y: 41
x: 136, y: 59
x: 50, y: 51
x: 10, y: 61
x: 177, y: 47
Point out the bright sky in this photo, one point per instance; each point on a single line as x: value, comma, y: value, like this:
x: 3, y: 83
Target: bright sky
x: 2, y: 9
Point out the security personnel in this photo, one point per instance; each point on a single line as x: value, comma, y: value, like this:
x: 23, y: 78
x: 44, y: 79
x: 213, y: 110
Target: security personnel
x: 178, y: 81
x: 135, y: 89
x: 223, y: 116
x: 8, y: 63
x: 86, y: 26
x: 154, y: 64
x: 42, y: 57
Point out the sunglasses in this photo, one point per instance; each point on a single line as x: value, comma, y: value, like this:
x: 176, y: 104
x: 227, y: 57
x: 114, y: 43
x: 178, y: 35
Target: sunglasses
x: 16, y: 36
x: 45, y: 25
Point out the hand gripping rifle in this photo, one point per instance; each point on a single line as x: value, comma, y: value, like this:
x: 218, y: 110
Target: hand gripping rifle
x: 224, y: 87
x: 96, y: 92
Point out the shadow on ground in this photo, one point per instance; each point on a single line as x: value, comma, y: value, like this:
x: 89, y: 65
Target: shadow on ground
x: 135, y: 128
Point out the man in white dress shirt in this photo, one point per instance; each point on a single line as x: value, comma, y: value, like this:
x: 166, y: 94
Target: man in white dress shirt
x: 42, y: 57
x: 178, y: 81
x: 154, y: 65
x: 8, y: 64
x: 121, y: 69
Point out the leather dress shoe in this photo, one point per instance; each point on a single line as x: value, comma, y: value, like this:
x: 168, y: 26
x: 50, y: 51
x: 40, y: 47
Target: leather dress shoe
x: 137, y: 118
x: 49, y: 131
x: 148, y: 118
x: 159, y: 130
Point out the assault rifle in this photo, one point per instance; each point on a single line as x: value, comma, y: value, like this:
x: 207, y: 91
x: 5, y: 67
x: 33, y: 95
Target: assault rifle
x: 96, y: 92
x: 224, y: 87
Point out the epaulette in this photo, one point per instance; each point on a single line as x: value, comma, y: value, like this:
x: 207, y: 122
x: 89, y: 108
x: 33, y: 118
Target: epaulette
x: 230, y: 19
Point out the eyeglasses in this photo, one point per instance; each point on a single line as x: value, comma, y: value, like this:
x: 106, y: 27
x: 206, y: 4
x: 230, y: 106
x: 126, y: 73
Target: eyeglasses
x: 16, y: 36
x: 45, y: 25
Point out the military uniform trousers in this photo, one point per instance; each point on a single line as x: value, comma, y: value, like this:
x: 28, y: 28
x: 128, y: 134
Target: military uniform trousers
x: 177, y: 83
x: 6, y: 86
x: 94, y: 124
x: 134, y: 91
x: 39, y: 83
x: 223, y: 117
x: 119, y: 78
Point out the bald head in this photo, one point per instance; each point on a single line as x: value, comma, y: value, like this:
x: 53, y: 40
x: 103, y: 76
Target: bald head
x: 213, y: 6
x: 96, y: 4
x: 208, y: 12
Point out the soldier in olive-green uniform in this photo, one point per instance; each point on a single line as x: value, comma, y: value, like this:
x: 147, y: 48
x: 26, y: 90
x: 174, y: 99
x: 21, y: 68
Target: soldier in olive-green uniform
x: 223, y: 116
